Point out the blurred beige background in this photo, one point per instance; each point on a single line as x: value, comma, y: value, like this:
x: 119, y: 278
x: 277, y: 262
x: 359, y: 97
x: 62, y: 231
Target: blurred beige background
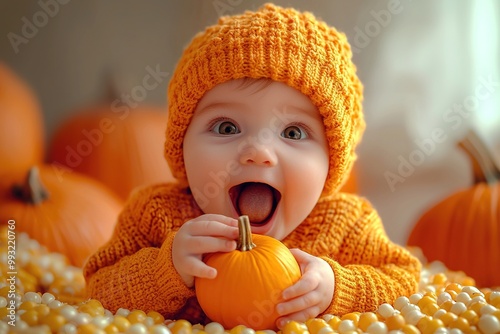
x: 430, y: 70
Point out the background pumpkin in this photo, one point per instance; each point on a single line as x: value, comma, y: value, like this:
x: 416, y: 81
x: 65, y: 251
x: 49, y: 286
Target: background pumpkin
x: 119, y: 146
x: 463, y: 230
x: 255, y: 273
x: 21, y: 124
x: 67, y: 212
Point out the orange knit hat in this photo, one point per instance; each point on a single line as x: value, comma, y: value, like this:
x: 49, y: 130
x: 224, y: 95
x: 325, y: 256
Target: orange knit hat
x: 283, y: 45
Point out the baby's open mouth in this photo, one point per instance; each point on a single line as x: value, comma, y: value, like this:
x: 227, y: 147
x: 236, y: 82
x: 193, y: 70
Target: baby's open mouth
x: 256, y: 200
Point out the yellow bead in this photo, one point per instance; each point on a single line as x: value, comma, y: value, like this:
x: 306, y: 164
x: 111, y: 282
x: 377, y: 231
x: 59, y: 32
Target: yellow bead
x: 136, y: 316
x: 439, y: 279
x: 454, y: 287
x: 430, y: 325
x: 471, y: 317
x: 366, y: 319
x: 410, y: 329
x: 92, y: 307
x: 182, y: 326
x: 157, y: 317
x: 294, y: 327
x: 89, y: 329
x: 42, y: 310
x: 447, y: 318
x: 121, y: 323
x: 28, y: 305
x: 461, y: 323
x: 111, y: 329
x: 54, y: 321
x: 334, y: 322
x: 395, y: 322
x: 354, y: 316
x: 30, y: 317
x: 315, y: 325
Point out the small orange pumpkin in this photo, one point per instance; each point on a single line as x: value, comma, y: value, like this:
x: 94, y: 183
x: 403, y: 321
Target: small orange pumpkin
x: 463, y: 230
x: 21, y: 124
x: 71, y: 214
x: 249, y: 281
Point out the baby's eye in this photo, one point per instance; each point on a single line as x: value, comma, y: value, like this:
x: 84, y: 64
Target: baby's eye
x: 294, y: 132
x: 225, y: 128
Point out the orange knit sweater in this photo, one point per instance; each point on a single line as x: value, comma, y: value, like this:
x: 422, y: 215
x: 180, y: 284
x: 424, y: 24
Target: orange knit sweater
x: 134, y: 269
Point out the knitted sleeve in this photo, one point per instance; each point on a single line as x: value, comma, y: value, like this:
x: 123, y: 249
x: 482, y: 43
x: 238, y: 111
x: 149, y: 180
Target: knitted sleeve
x: 134, y: 269
x: 369, y: 269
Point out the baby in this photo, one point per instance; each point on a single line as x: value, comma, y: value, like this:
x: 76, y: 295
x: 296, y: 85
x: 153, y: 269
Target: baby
x: 265, y: 112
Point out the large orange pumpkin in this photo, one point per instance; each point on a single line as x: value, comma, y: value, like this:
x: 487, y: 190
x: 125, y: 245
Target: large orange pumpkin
x: 68, y: 213
x: 249, y: 281
x: 463, y: 230
x: 119, y: 146
x: 122, y: 149
x: 21, y: 124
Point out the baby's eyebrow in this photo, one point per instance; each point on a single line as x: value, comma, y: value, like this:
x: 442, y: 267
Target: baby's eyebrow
x: 218, y: 105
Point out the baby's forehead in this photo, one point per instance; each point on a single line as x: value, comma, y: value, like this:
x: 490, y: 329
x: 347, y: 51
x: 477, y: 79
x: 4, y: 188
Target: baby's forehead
x: 259, y: 91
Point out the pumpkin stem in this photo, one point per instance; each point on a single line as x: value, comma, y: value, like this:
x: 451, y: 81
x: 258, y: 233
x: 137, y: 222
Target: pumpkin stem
x: 483, y: 165
x: 32, y: 191
x: 245, y: 242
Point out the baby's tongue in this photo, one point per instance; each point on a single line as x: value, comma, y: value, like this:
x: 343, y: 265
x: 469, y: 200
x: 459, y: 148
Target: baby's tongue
x: 256, y: 201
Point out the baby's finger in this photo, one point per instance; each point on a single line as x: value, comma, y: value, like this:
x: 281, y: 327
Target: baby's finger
x: 301, y: 316
x: 211, y: 228
x: 303, y: 286
x: 195, y: 267
x: 298, y: 304
x: 219, y: 218
x: 207, y: 244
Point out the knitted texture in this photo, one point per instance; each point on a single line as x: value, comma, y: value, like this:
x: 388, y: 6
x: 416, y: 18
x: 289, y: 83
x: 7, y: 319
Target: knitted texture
x: 286, y: 46
x: 134, y: 269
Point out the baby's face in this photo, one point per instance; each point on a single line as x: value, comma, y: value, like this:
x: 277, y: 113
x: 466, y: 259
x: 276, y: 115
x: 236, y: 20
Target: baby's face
x: 258, y: 150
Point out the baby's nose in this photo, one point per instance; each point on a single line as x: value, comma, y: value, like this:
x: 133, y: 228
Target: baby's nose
x: 258, y: 154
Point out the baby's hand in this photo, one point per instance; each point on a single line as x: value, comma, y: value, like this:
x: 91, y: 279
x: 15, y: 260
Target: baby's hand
x: 207, y: 233
x: 312, y: 294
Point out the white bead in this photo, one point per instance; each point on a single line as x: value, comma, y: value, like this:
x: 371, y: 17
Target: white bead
x: 346, y: 326
x: 415, y: 298
x: 101, y: 321
x: 137, y: 328
x: 443, y: 297
x: 47, y: 278
x: 409, y: 308
x: 413, y: 317
x: 68, y: 311
x: 68, y: 328
x: 385, y: 310
x: 488, y: 309
x: 439, y: 313
x: 494, y: 295
x: 471, y: 290
x: 325, y: 330
x: 3, y: 301
x: 32, y: 297
x: 477, y: 299
x: 327, y: 317
x: 159, y: 329
x: 377, y: 327
x: 47, y: 297
x: 55, y: 304
x: 458, y: 308
x: 455, y: 331
x: 441, y: 330
x: 401, y: 302
x: 489, y: 324
x: 123, y: 312
x: 463, y: 297
x: 214, y: 328
x: 82, y: 319
x: 247, y: 331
